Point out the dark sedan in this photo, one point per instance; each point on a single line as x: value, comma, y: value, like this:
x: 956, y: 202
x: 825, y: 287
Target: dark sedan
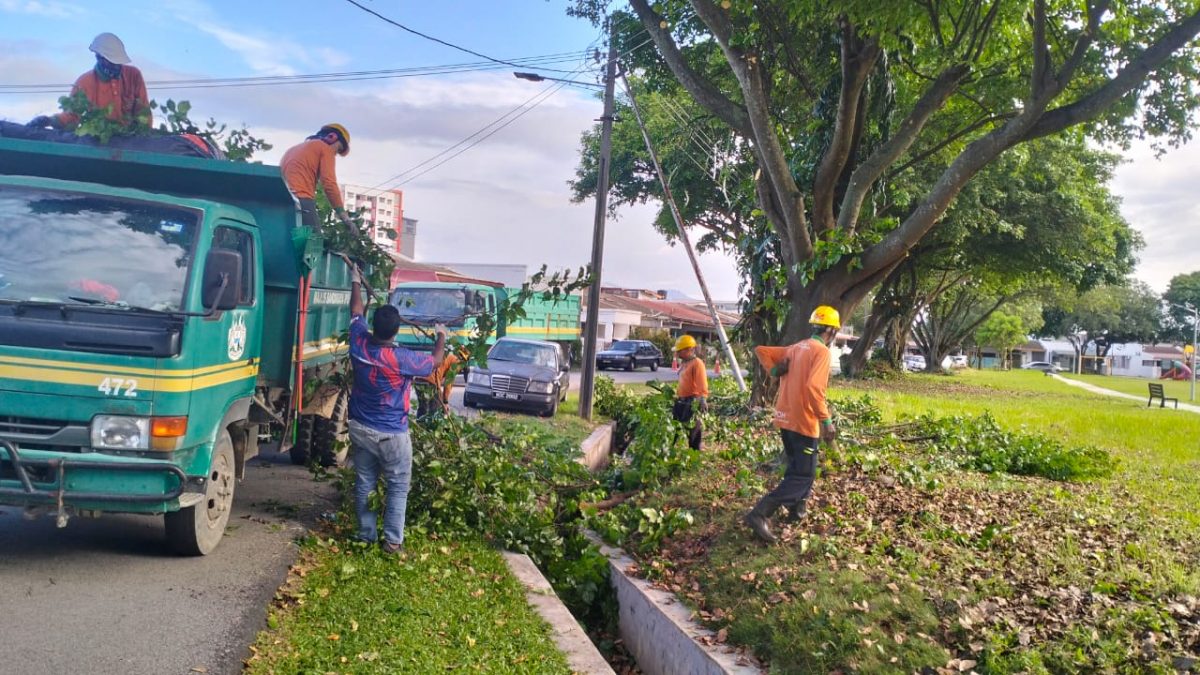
x: 629, y: 354
x: 529, y: 375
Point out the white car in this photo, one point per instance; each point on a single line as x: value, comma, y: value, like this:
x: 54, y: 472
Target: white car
x: 959, y: 361
x: 914, y: 362
x: 1044, y: 366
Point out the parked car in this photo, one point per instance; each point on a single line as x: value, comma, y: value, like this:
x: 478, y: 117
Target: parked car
x: 527, y: 375
x: 1044, y: 366
x: 914, y: 362
x: 629, y: 354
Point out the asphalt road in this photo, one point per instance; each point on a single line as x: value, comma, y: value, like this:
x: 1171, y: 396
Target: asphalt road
x: 104, y: 595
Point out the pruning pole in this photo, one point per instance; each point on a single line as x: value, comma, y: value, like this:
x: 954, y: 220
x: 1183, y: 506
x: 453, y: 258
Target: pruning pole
x: 683, y: 236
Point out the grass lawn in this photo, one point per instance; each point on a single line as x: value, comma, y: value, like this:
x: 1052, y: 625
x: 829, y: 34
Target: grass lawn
x: 954, y: 570
x: 566, y: 427
x: 1135, y: 385
x: 441, y: 606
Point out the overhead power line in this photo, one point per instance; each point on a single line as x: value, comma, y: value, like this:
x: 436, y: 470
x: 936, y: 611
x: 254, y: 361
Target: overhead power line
x: 316, y: 78
x: 431, y: 38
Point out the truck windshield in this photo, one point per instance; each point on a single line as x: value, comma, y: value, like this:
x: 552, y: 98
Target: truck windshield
x: 86, y: 249
x: 447, y: 305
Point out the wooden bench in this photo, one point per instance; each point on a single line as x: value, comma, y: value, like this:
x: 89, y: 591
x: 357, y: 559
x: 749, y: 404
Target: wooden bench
x: 1156, y: 392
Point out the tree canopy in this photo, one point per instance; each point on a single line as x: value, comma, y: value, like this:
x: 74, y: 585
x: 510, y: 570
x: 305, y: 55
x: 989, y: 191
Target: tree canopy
x: 862, y: 122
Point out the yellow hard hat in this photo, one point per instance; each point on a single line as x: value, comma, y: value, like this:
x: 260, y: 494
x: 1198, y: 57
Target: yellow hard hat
x: 685, y: 342
x: 825, y: 316
x: 341, y: 132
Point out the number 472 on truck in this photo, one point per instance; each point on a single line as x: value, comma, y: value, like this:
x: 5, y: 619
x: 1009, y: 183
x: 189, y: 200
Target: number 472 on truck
x: 158, y: 314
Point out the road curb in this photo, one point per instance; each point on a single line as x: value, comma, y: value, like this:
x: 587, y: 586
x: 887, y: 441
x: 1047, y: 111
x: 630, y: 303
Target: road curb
x: 568, y: 635
x: 597, y: 447
x: 658, y: 629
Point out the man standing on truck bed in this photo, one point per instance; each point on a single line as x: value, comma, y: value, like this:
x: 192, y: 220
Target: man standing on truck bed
x: 112, y: 82
x: 383, y: 375
x: 304, y: 165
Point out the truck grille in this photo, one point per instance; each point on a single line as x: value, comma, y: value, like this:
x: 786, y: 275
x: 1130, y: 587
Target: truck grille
x: 30, y: 426
x: 515, y: 385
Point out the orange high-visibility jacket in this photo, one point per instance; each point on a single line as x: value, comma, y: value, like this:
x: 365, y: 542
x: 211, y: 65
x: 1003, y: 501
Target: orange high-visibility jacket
x: 126, y: 94
x: 800, y: 405
x: 693, y: 380
x: 305, y: 164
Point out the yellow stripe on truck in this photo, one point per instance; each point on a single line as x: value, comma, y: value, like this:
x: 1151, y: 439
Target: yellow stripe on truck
x: 94, y: 379
x: 119, y: 371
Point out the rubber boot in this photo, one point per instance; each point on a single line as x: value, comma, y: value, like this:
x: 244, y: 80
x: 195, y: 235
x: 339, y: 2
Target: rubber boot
x: 794, y: 513
x: 756, y: 520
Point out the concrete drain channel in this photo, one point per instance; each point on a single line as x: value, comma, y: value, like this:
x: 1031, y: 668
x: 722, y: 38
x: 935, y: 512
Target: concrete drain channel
x: 654, y: 625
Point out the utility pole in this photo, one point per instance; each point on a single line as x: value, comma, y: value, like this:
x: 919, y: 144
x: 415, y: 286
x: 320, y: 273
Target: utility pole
x: 683, y: 236
x: 587, y: 382
x: 1192, y: 353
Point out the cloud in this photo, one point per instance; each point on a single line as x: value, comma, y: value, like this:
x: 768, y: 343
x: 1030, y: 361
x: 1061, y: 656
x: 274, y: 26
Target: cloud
x: 46, y: 8
x: 1158, y: 199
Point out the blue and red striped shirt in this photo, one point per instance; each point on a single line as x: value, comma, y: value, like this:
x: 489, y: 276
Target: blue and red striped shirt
x: 382, y: 378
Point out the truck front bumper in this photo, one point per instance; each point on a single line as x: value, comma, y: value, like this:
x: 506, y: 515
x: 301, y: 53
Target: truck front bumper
x: 88, y: 482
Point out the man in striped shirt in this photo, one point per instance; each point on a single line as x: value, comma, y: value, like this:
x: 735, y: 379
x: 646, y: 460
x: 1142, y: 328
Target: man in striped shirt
x: 801, y: 415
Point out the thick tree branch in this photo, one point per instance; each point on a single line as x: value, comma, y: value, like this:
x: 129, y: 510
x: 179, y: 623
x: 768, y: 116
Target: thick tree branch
x: 858, y: 58
x: 789, y: 201
x: 906, y: 134
x: 1133, y: 74
x: 705, y: 93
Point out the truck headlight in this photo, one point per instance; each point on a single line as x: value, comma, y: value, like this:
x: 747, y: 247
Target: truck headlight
x: 482, y: 379
x: 117, y: 432
x: 541, y: 387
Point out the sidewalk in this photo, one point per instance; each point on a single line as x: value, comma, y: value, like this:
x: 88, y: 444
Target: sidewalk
x: 1109, y: 392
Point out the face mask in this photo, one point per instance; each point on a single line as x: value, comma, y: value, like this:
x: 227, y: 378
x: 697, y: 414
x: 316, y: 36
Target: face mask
x: 106, y: 69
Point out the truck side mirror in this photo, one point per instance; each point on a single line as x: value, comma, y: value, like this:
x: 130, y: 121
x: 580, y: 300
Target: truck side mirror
x: 222, y: 285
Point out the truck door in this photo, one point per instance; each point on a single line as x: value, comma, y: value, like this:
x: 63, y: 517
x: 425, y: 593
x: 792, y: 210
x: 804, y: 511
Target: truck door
x: 239, y: 327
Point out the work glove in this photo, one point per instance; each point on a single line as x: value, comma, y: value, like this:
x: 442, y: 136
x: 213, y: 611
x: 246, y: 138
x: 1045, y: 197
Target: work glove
x: 42, y: 121
x: 704, y: 405
x: 828, y: 432
x: 347, y: 221
x: 440, y: 330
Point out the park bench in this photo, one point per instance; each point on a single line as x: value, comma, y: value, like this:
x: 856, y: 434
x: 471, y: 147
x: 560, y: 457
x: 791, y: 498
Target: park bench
x: 1156, y: 392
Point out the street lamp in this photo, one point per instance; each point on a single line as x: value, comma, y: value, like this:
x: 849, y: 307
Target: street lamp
x: 587, y: 380
x: 535, y: 77
x: 1189, y: 307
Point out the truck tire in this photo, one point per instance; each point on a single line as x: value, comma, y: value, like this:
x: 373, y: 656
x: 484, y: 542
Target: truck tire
x: 197, y: 529
x: 301, y: 450
x: 331, y: 435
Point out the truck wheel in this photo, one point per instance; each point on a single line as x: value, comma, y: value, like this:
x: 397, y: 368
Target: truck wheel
x: 197, y: 529
x: 330, y: 434
x: 301, y: 450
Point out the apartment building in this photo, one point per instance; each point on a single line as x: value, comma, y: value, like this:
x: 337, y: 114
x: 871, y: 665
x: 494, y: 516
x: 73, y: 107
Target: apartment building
x: 383, y: 211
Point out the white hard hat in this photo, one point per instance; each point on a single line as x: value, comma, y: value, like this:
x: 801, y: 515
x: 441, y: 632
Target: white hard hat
x: 110, y: 47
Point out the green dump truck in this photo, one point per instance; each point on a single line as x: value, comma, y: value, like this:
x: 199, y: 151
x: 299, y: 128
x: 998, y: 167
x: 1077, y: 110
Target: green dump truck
x: 424, y: 303
x: 158, y: 315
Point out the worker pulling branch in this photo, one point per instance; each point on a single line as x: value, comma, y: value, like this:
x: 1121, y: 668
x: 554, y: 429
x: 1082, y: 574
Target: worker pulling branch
x: 312, y: 162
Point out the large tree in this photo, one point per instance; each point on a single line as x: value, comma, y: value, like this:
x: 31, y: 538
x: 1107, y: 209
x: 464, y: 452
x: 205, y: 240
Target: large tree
x: 1104, y: 316
x: 1183, y: 290
x: 835, y: 101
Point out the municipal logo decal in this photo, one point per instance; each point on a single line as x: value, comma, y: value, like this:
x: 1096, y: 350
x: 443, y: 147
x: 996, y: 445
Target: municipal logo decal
x: 237, y: 337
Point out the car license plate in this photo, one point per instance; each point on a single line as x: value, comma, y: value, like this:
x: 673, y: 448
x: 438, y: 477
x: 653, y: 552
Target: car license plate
x: 507, y: 395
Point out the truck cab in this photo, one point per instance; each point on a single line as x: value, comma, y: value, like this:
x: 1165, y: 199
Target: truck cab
x: 150, y: 330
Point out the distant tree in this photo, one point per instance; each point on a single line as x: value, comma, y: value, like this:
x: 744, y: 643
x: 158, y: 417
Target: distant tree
x: 1183, y: 289
x: 1105, y: 316
x: 1003, y: 332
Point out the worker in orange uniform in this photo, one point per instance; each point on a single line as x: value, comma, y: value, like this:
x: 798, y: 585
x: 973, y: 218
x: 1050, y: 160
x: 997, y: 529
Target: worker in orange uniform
x: 441, y: 381
x: 692, y: 392
x: 112, y: 82
x: 801, y: 414
x: 311, y: 162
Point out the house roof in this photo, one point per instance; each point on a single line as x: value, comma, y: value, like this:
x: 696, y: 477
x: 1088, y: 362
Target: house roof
x: 676, y: 312
x: 411, y: 270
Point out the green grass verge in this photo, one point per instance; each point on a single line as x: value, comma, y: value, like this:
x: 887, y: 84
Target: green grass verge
x: 1136, y: 385
x: 566, y: 428
x: 442, y: 606
x: 971, y: 572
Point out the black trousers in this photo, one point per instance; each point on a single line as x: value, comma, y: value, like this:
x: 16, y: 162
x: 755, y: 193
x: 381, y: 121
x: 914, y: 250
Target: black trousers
x: 802, y: 454
x: 308, y: 214
x: 684, y: 412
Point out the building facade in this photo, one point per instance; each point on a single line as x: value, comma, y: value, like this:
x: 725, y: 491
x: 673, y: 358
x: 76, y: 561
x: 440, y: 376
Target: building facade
x: 383, y: 212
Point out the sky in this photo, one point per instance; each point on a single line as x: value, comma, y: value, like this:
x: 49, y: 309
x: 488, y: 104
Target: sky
x: 504, y: 200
